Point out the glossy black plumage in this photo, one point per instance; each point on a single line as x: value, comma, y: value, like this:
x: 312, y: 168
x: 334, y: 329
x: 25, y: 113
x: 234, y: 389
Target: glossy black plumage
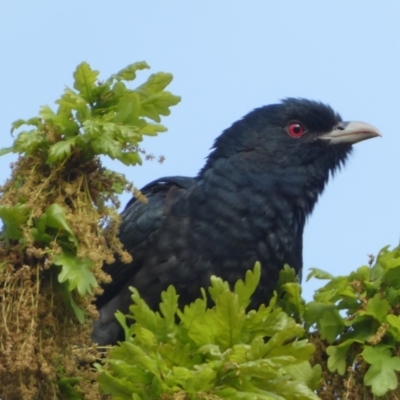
x: 249, y: 202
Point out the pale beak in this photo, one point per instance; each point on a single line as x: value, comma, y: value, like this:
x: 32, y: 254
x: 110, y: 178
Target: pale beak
x: 351, y: 132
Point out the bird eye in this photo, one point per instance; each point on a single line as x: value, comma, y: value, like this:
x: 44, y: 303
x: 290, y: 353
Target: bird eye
x: 295, y: 130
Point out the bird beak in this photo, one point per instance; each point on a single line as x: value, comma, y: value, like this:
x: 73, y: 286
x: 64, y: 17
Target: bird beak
x: 351, y: 132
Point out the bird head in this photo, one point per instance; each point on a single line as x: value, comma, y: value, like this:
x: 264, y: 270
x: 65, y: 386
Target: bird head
x: 294, y: 133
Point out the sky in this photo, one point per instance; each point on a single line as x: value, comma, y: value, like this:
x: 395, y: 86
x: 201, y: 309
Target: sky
x: 229, y: 57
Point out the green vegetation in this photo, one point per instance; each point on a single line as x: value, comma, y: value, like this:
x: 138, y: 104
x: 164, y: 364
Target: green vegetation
x: 344, y: 344
x: 356, y: 319
x: 213, y: 353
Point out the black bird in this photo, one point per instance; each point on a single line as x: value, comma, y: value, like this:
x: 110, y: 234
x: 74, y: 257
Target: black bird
x: 249, y: 202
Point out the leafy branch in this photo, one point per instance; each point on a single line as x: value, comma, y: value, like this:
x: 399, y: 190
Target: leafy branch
x: 98, y: 118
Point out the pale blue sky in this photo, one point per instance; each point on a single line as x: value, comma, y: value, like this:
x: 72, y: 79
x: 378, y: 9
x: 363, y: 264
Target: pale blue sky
x: 229, y: 57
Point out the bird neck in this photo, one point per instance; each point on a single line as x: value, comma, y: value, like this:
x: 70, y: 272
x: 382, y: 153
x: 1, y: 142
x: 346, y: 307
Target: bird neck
x: 256, y: 189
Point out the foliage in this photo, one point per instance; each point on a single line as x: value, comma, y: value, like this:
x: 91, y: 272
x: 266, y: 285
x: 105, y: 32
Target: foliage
x: 213, y: 353
x: 60, y: 225
x: 98, y: 118
x: 226, y: 352
x: 357, y: 321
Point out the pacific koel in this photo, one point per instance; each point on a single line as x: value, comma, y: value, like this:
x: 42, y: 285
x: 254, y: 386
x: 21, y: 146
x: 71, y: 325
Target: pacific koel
x: 248, y: 203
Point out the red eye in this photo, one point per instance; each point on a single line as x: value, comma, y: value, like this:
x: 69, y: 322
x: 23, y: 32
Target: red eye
x: 295, y: 130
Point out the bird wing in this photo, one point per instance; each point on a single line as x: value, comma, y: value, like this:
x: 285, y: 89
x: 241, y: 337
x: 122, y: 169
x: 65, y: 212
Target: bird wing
x: 141, y: 221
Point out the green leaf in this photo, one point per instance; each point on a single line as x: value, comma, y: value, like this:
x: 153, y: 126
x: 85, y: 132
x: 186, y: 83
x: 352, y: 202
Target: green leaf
x: 305, y: 373
x: 13, y: 217
x: 129, y: 72
x: 17, y: 124
x: 69, y: 301
x: 54, y: 217
x: 330, y: 325
x: 319, y: 274
x: 289, y: 390
x: 394, y: 322
x: 152, y: 129
x: 337, y: 356
x: 106, y: 145
x: 362, y: 329
x: 392, y: 273
x: 169, y: 305
x: 228, y: 320
x: 145, y: 337
x: 66, y: 386
x: 85, y: 80
x: 194, y: 381
x: 141, y: 356
x: 158, y: 104
x: 128, y: 109
x: 245, y: 289
x: 381, y: 374
x: 121, y: 388
x: 336, y: 289
x: 76, y: 272
x: 28, y: 142
x: 122, y: 319
x: 73, y: 101
x: 156, y: 83
x: 193, y: 310
x: 35, y: 121
x: 142, y: 313
x: 119, y: 89
x: 52, y: 224
x: 287, y: 275
x: 201, y: 329
x: 291, y: 301
x: 314, y: 311
x: 217, y: 287
x: 60, y: 151
x: 130, y: 158
x: 377, y: 308
x: 6, y: 150
x: 65, y: 124
x: 392, y: 296
x: 93, y: 128
x: 47, y: 113
x: 126, y: 134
